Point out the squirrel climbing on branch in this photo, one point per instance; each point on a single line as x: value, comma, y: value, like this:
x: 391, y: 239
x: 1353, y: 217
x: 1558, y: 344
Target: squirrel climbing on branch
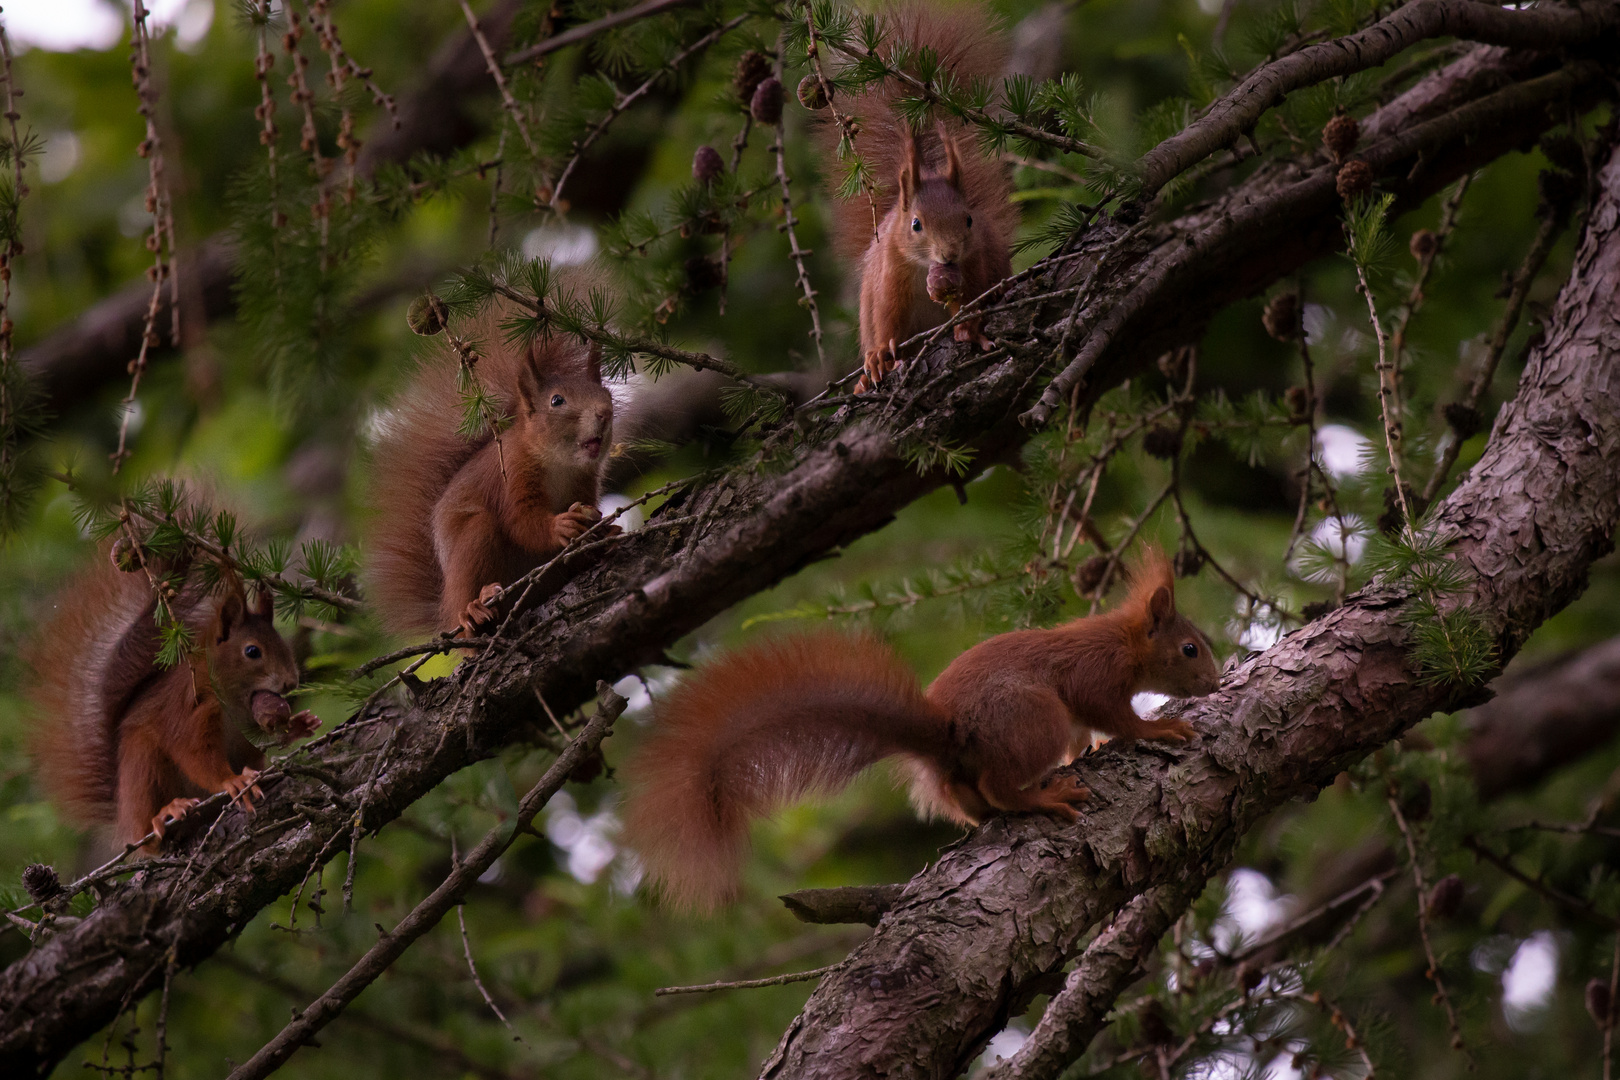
x: 127, y: 741
x: 936, y: 232
x: 767, y: 724
x: 457, y: 518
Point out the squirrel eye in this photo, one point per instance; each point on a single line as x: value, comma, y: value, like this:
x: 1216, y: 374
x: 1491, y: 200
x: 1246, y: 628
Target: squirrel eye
x: 916, y: 225
x: 1190, y: 651
x: 252, y: 652
x: 556, y: 400
x: 970, y: 221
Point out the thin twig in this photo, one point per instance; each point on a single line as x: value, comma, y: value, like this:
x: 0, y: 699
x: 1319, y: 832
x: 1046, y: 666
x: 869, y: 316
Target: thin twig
x: 779, y: 148
x: 1433, y: 972
x: 749, y: 984
x: 422, y: 918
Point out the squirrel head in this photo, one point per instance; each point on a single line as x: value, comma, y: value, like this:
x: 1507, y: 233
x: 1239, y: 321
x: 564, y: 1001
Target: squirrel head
x: 564, y: 413
x: 936, y: 223
x: 1178, y: 661
x: 250, y: 664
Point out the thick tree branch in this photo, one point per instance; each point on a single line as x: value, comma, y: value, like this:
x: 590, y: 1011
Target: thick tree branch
x: 1545, y: 717
x: 1008, y: 906
x: 746, y: 530
x: 1550, y: 26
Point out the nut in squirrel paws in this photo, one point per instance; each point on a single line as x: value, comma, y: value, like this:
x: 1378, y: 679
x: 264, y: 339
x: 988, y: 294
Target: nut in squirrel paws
x: 878, y: 363
x: 478, y: 612
x: 573, y: 522
x: 171, y: 813
x: 274, y: 714
x: 242, y: 789
x: 1173, y: 730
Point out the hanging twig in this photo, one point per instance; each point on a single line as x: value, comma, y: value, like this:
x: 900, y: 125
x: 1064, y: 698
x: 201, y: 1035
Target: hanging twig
x: 748, y: 984
x: 1433, y: 972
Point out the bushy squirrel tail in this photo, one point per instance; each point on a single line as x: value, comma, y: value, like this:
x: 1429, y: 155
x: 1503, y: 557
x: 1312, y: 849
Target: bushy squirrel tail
x: 969, y: 41
x: 755, y: 730
x: 95, y: 653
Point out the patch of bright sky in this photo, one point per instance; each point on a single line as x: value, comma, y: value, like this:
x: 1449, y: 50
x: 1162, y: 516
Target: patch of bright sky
x: 1340, y: 449
x: 66, y: 25
x: 1528, y: 981
x: 1253, y: 906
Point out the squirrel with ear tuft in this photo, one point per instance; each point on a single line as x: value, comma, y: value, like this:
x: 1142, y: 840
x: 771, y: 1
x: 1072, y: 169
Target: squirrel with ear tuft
x: 770, y: 723
x: 937, y: 231
x: 129, y: 742
x: 455, y: 519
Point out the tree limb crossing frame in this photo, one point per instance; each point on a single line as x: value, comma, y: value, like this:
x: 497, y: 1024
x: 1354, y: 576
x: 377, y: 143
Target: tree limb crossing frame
x: 1343, y: 674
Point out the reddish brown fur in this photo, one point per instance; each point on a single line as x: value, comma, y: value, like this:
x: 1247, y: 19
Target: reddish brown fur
x: 124, y: 741
x: 936, y: 179
x: 777, y: 720
x: 446, y: 521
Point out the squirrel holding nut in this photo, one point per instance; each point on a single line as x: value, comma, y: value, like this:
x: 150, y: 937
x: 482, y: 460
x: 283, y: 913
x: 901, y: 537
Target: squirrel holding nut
x: 767, y: 724
x: 458, y: 518
x: 127, y: 741
x: 941, y: 234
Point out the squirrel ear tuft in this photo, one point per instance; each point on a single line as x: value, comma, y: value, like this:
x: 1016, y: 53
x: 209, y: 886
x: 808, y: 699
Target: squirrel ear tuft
x: 259, y: 603
x: 953, y: 163
x: 231, y: 610
x: 593, y: 362
x: 909, y: 169
x: 1161, y: 610
x: 528, y: 389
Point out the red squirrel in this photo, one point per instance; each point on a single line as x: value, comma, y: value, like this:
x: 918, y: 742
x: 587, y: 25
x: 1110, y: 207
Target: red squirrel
x: 135, y: 744
x: 764, y: 725
x: 457, y: 518
x: 940, y: 236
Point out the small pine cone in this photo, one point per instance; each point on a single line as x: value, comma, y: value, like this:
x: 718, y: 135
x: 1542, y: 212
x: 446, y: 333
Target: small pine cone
x: 1163, y: 442
x: 1355, y: 178
x: 944, y: 282
x: 812, y: 94
x: 1341, y: 135
x: 125, y: 555
x: 1598, y: 1002
x: 1281, y: 317
x: 1445, y: 898
x: 41, y: 882
x: 1089, y: 574
x: 1464, y: 419
x: 1564, y: 153
x: 427, y: 315
x: 1188, y: 562
x: 702, y: 274
x: 1417, y: 801
x: 766, y: 104
x: 1316, y: 609
x: 1424, y: 244
x: 752, y: 69
x: 706, y: 165
x: 1298, y: 400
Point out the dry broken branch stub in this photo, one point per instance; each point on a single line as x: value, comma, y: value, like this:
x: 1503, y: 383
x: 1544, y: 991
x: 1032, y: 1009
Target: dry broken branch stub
x: 748, y: 531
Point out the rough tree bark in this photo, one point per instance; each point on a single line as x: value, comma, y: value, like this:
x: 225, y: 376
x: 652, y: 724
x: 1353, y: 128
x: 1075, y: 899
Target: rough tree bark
x: 1010, y: 904
x: 744, y: 531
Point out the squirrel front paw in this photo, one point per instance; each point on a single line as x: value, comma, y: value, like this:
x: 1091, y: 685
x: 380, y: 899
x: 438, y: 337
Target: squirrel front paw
x: 301, y: 723
x: 1173, y: 730
x: 1060, y: 793
x: 972, y: 331
x: 572, y: 523
x: 171, y: 813
x: 243, y: 790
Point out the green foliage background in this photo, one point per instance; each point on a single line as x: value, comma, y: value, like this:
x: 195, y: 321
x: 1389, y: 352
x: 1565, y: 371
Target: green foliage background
x: 272, y: 410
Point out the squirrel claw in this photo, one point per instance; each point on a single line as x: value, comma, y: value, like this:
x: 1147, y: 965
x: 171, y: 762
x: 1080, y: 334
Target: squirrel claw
x: 172, y: 812
x: 878, y: 363
x: 970, y: 331
x: 1174, y: 730
x: 478, y: 612
x: 574, y: 522
x: 243, y: 790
